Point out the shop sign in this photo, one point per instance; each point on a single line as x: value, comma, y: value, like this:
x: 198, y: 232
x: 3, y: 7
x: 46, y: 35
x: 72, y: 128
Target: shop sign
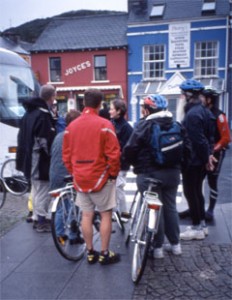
x: 77, y: 68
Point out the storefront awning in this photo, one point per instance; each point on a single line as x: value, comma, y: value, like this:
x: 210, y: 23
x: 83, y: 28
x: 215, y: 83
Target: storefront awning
x: 84, y: 88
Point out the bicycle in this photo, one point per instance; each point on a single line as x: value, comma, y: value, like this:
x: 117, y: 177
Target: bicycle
x: 66, y: 221
x: 14, y: 180
x: 144, y: 225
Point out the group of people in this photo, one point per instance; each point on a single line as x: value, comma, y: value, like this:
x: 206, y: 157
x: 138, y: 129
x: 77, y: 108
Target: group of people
x: 97, y: 149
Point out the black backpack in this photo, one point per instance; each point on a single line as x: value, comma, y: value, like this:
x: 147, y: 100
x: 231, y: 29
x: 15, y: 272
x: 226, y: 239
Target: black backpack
x: 167, y: 144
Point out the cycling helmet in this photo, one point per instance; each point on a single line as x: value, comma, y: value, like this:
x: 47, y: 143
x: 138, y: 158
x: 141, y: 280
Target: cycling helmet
x: 210, y: 91
x: 156, y: 101
x: 191, y: 85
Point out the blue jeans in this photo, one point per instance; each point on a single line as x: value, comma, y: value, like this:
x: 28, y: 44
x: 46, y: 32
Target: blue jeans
x: 59, y: 222
x: 169, y: 220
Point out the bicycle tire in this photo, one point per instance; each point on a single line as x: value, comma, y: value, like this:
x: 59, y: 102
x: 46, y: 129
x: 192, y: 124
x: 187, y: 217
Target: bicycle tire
x: 14, y: 180
x: 119, y: 221
x: 2, y: 193
x: 134, y: 216
x: 141, y: 248
x: 65, y: 211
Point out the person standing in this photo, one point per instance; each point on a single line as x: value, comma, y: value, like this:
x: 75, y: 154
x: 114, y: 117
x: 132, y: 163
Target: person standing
x: 222, y: 140
x: 124, y: 130
x: 138, y: 153
x: 199, y: 123
x: 91, y: 153
x: 36, y: 134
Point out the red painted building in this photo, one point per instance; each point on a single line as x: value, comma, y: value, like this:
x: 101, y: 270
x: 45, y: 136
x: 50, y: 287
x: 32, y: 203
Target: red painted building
x: 75, y: 54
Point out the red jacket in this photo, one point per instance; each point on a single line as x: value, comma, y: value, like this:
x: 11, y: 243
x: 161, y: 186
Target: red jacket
x: 91, y: 151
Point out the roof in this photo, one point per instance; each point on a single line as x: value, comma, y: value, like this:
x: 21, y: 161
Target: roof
x: 175, y: 10
x: 88, y: 32
x: 8, y: 44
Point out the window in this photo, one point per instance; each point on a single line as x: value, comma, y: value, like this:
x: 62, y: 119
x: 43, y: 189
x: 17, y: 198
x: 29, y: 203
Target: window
x: 100, y: 67
x: 157, y: 11
x: 208, y: 6
x: 55, y: 69
x: 206, y: 59
x: 153, y: 62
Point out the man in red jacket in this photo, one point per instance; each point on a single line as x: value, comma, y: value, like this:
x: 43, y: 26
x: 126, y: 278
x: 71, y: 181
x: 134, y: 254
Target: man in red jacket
x: 91, y: 153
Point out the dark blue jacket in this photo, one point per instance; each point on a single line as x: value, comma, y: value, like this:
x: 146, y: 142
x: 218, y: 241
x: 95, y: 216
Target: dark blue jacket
x: 200, y: 125
x: 123, y: 131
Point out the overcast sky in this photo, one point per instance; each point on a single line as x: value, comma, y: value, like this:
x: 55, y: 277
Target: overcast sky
x: 17, y: 12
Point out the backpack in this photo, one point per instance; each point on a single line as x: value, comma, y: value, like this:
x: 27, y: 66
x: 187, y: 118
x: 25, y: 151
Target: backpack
x: 167, y: 144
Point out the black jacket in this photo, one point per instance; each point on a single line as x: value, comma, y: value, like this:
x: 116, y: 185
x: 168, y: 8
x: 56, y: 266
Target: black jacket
x: 35, y: 137
x: 138, y: 152
x: 123, y: 131
x: 200, y: 125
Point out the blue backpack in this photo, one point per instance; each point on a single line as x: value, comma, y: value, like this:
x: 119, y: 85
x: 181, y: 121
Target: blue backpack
x: 167, y: 144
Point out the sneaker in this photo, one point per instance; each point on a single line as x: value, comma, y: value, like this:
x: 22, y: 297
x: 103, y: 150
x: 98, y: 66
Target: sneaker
x: 175, y: 249
x: 77, y: 240
x: 209, y: 215
x: 110, y: 258
x: 62, y: 239
x: 44, y: 227
x: 92, y: 257
x: 192, y: 234
x: 124, y: 220
x: 205, y: 230
x: 184, y: 214
x: 35, y: 224
x: 29, y: 217
x: 158, y: 253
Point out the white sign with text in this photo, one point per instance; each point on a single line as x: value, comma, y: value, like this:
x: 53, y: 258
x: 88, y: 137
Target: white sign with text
x: 179, y: 45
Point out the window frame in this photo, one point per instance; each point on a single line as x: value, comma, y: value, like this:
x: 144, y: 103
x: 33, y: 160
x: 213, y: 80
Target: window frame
x: 206, y: 66
x: 150, y: 65
x: 100, y: 72
x: 52, y: 69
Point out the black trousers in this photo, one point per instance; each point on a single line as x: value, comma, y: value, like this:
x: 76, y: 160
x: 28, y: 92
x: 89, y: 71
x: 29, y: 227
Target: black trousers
x: 192, y: 185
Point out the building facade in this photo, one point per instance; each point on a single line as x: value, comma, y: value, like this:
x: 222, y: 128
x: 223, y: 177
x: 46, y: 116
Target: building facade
x: 170, y: 41
x: 75, y: 54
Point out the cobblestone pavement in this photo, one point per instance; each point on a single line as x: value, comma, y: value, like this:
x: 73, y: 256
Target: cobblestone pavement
x: 203, y: 271
x: 13, y: 211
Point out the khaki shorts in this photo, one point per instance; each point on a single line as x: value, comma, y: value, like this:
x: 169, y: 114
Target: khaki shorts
x: 103, y: 200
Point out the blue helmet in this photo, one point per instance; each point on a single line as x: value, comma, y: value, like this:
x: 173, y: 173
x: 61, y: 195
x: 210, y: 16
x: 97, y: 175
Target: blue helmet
x: 191, y: 85
x: 156, y: 101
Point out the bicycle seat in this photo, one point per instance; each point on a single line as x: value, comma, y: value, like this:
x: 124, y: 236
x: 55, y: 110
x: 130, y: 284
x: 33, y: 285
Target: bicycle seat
x: 68, y: 178
x: 155, y: 182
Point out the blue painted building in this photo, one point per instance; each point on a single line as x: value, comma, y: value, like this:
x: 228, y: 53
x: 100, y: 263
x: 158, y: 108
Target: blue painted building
x: 170, y: 41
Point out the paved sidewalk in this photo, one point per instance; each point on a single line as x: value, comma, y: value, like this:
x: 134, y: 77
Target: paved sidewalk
x: 31, y: 268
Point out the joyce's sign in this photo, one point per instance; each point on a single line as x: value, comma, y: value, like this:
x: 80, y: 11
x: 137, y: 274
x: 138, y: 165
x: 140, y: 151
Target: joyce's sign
x: 78, y: 68
x: 179, y: 45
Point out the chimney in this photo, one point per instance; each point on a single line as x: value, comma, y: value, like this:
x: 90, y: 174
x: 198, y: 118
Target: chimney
x: 137, y: 5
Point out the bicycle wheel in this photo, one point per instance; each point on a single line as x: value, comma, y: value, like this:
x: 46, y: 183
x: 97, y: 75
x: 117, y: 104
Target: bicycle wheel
x: 65, y: 225
x: 118, y: 220
x: 134, y: 214
x: 2, y: 194
x: 14, y: 180
x: 141, y: 248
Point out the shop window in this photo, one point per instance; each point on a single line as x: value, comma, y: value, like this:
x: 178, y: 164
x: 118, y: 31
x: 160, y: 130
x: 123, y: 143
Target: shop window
x: 153, y: 62
x: 206, y: 59
x: 100, y: 68
x: 55, y: 69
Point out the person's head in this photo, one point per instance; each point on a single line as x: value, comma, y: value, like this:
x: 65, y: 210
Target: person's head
x: 48, y: 94
x: 210, y: 96
x: 54, y: 107
x: 117, y: 108
x: 191, y: 89
x: 93, y: 98
x: 152, y: 104
x: 71, y: 115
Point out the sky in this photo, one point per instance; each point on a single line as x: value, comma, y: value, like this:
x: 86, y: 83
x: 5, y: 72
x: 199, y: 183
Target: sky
x: 16, y: 12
